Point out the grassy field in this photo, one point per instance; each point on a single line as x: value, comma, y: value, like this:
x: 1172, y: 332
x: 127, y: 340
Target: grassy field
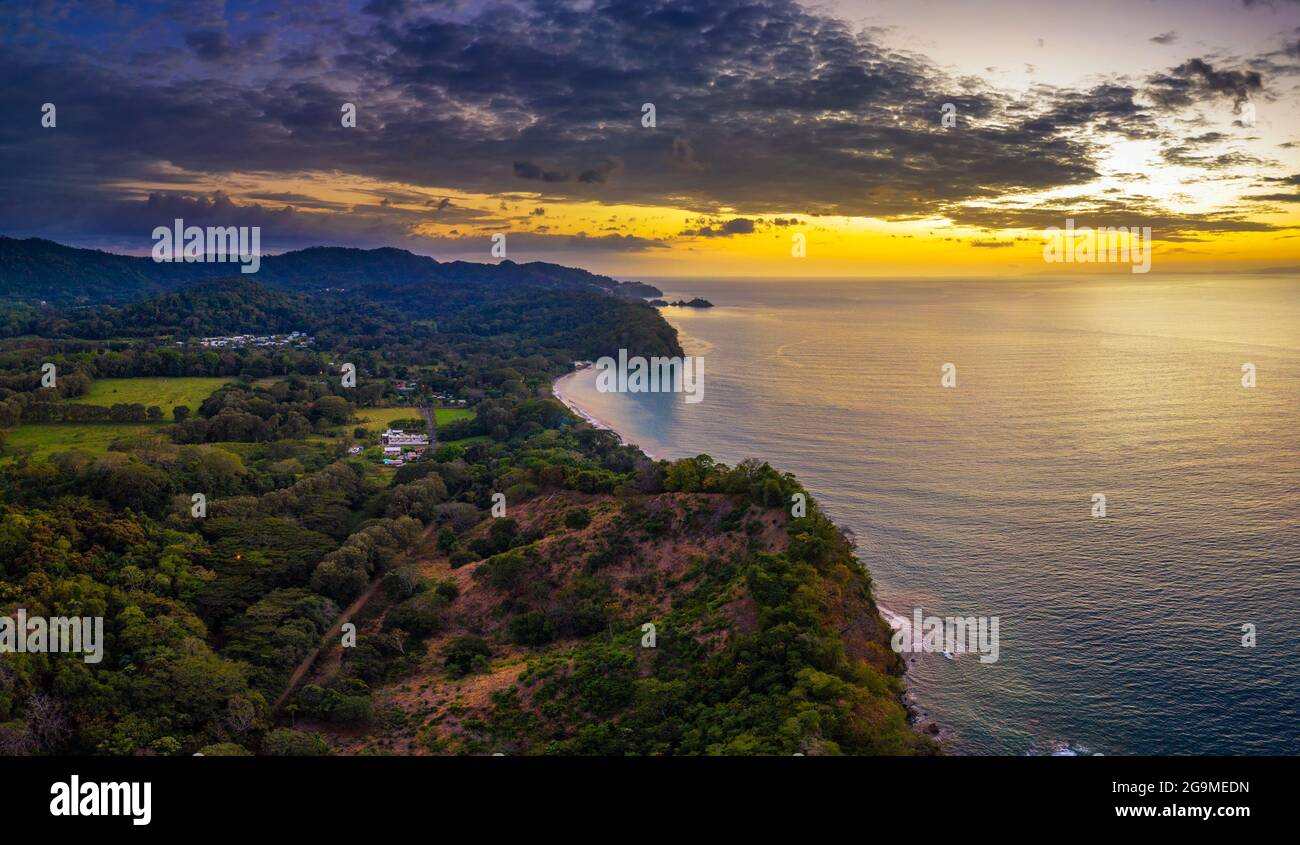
x: 47, y: 438
x: 383, y: 417
x: 166, y: 393
x: 442, y: 416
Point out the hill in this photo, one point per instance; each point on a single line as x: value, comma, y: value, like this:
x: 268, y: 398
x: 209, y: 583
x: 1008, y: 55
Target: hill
x: 763, y: 642
x: 525, y: 316
x: 33, y: 269
x: 479, y: 632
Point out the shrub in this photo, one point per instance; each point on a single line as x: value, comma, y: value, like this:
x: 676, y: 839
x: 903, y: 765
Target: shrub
x: 532, y: 628
x: 459, y: 516
x: 447, y: 589
x: 286, y: 742
x: 578, y: 518
x: 447, y: 541
x: 419, y: 616
x: 225, y: 749
x: 504, y: 571
x: 465, y: 655
x: 501, y: 536
x: 402, y: 583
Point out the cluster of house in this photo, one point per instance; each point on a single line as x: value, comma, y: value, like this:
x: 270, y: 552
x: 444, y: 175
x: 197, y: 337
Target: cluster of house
x: 411, y: 385
x: 402, y: 447
x: 448, y: 399
x: 240, y: 340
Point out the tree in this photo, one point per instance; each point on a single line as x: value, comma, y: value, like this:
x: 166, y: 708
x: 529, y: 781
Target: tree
x: 47, y: 722
x: 465, y: 655
x: 334, y: 410
x: 286, y: 742
x: 532, y: 628
x: 130, y: 483
x: 447, y: 541
x: 225, y: 749
x: 246, y: 712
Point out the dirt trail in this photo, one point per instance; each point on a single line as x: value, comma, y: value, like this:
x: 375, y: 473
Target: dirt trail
x: 325, y: 641
x: 305, y: 666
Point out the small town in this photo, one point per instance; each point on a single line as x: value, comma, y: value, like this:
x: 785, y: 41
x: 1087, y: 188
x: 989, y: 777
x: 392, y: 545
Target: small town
x: 295, y: 339
x: 401, y: 447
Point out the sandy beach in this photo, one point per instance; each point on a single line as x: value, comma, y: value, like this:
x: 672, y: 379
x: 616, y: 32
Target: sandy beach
x: 557, y: 387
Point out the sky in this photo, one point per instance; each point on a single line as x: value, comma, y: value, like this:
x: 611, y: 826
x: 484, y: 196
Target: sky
x: 789, y: 139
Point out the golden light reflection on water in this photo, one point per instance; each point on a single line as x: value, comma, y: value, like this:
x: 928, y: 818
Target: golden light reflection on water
x: 977, y: 499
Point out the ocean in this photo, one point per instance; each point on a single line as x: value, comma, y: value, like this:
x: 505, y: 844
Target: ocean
x: 1119, y: 634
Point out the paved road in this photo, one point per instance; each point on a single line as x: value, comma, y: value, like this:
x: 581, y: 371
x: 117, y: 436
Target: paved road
x: 433, y: 426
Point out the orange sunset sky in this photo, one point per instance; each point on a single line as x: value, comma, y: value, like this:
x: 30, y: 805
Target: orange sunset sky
x: 772, y: 119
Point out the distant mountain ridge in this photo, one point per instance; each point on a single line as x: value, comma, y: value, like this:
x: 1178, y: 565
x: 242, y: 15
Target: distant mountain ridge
x: 37, y: 269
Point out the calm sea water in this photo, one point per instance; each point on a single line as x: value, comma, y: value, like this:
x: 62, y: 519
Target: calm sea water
x: 1121, y: 635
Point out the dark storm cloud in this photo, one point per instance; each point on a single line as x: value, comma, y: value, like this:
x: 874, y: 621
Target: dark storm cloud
x: 301, y: 59
x: 127, y: 226
x: 1195, y: 151
x: 213, y: 45
x: 1110, y: 108
x: 528, y: 170
x: 1197, y: 79
x: 385, y: 8
x: 683, y: 155
x: 1121, y: 211
x: 762, y: 107
x: 1292, y: 181
x: 599, y: 174
x: 737, y: 226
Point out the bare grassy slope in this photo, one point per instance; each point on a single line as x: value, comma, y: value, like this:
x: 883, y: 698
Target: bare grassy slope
x: 753, y: 653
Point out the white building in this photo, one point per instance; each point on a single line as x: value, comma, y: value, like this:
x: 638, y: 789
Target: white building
x: 397, y: 437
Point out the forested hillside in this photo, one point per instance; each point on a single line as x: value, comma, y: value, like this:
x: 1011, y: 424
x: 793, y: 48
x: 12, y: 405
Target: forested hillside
x: 522, y: 632
x: 33, y: 269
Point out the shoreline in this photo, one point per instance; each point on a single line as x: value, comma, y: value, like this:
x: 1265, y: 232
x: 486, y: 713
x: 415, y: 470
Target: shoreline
x: 921, y: 720
x: 587, y: 416
x: 918, y: 717
x: 567, y: 401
